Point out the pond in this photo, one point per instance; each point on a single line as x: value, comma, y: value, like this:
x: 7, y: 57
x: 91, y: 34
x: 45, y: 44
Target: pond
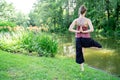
x: 107, y: 58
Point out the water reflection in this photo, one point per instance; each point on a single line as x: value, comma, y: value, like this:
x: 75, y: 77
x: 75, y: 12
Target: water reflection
x: 69, y: 49
x: 106, y: 59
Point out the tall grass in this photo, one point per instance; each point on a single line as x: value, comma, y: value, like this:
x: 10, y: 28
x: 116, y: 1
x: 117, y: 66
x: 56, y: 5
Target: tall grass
x: 10, y: 41
x: 41, y: 43
x: 29, y: 42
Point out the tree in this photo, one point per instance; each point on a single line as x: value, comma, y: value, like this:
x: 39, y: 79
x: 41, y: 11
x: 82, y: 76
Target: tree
x: 54, y: 13
x: 22, y: 19
x: 6, y: 11
x: 58, y: 14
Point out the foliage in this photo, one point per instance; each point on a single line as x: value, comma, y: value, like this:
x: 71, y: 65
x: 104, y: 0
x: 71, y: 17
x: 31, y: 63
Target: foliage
x: 29, y: 42
x: 47, y: 45
x: 10, y: 41
x: 42, y: 43
x: 21, y: 19
x: 58, y: 14
x: 7, y: 11
x: 53, y: 13
x: 6, y: 24
x: 104, y: 14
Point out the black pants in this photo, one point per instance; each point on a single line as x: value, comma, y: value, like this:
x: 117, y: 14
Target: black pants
x: 85, y: 43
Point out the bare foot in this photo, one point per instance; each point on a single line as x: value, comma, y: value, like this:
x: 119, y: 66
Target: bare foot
x: 82, y: 68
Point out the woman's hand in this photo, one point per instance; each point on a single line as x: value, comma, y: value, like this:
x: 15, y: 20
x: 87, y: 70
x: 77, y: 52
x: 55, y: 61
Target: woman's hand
x: 81, y: 30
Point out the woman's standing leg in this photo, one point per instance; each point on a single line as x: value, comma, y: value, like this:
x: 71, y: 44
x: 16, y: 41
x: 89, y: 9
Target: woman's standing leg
x: 82, y: 64
x: 79, y: 54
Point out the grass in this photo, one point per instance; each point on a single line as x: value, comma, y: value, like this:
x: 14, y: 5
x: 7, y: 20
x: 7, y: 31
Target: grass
x: 21, y: 67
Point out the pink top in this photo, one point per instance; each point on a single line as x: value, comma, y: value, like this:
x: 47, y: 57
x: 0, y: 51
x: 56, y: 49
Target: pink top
x: 84, y: 35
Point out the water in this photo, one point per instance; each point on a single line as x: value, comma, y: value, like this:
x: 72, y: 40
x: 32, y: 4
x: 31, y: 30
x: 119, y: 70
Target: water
x: 106, y: 59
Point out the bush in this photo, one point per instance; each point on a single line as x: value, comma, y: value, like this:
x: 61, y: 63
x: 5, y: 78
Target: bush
x: 6, y: 26
x: 27, y: 41
x: 10, y: 42
x: 47, y: 45
x: 42, y: 43
x: 6, y: 23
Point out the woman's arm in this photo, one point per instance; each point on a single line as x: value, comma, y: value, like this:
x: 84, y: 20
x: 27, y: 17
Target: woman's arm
x: 71, y: 28
x: 91, y: 27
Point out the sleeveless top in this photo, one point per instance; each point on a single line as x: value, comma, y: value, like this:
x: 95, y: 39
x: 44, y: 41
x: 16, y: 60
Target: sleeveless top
x: 81, y: 23
x: 83, y: 35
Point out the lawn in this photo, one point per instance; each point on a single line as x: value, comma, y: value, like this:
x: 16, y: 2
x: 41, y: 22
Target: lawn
x: 22, y: 67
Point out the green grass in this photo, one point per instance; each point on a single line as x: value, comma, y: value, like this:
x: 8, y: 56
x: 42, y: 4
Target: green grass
x: 21, y: 67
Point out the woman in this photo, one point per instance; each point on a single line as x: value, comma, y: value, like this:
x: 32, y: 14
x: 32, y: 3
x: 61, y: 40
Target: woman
x: 83, y: 28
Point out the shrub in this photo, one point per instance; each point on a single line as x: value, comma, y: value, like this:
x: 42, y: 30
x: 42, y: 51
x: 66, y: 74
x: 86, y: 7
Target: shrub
x: 10, y: 42
x: 47, y: 45
x: 6, y: 26
x: 42, y: 43
x: 28, y: 41
x: 6, y: 23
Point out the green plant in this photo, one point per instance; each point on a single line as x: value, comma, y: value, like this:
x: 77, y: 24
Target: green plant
x: 6, y: 26
x: 47, y: 44
x: 42, y: 43
x: 28, y: 41
x: 6, y: 23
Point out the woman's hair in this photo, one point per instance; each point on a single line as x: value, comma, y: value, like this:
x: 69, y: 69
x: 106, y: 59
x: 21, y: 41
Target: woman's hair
x: 82, y: 9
